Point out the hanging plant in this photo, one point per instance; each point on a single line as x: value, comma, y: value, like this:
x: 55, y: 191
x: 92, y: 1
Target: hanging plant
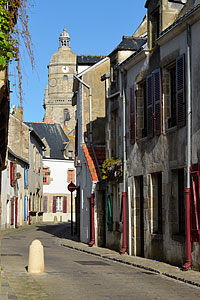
x: 14, y: 32
x: 112, y: 169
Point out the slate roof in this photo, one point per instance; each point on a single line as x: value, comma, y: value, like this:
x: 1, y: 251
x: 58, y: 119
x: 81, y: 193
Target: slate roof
x: 129, y: 43
x: 89, y: 59
x: 54, y: 135
x: 100, y: 154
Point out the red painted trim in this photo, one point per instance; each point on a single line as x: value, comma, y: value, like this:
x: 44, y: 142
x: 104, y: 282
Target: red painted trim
x: 29, y: 214
x: 16, y: 212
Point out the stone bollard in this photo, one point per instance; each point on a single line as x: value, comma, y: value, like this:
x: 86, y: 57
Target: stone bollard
x: 36, y: 257
x: 55, y: 220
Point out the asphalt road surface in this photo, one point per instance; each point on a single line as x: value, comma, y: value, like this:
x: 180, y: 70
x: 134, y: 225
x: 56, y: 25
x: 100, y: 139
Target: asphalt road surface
x: 71, y: 274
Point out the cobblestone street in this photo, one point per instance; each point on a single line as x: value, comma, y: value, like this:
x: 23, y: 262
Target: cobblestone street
x: 72, y: 274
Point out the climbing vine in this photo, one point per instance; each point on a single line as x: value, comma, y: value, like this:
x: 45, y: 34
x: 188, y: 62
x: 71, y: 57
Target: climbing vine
x: 14, y: 32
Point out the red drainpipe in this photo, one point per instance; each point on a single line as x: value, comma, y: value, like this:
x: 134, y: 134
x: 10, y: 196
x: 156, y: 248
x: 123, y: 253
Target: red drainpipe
x: 16, y: 208
x: 188, y: 263
x: 124, y: 248
x: 29, y: 214
x: 92, y: 222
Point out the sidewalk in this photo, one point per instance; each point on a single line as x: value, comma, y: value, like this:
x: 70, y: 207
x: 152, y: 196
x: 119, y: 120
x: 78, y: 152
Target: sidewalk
x: 190, y: 277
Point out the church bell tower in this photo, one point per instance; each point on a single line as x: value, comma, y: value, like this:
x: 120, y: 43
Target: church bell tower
x: 58, y: 93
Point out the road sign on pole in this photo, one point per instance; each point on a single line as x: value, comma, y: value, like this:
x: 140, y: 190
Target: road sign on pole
x: 71, y: 187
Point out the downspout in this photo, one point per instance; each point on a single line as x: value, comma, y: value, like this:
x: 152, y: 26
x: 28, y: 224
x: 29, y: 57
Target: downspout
x: 92, y: 242
x: 124, y: 247
x: 90, y: 104
x: 188, y: 263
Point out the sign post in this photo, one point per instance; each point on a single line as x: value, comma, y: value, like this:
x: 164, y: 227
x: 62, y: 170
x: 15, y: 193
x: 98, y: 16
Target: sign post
x: 71, y: 187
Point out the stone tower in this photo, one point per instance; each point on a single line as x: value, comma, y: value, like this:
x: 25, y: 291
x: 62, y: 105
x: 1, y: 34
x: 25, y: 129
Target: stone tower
x: 58, y: 93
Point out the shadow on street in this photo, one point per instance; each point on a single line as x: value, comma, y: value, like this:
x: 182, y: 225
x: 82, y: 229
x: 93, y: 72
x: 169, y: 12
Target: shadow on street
x: 60, y: 230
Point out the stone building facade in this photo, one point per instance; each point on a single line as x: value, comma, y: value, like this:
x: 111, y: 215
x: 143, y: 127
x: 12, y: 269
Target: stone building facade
x: 156, y: 87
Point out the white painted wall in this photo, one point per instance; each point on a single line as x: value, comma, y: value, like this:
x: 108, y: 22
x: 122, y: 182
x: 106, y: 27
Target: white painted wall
x: 59, y: 172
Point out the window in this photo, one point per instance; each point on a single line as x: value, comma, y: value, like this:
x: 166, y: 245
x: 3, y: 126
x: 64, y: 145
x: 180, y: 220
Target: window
x: 132, y: 115
x: 156, y: 196
x: 175, y: 93
x: 154, y: 103
x: 178, y: 202
x: 115, y: 134
x: 66, y: 115
x: 25, y: 177
x: 46, y: 174
x: 59, y: 204
x: 70, y: 176
x: 70, y: 154
x: 141, y: 113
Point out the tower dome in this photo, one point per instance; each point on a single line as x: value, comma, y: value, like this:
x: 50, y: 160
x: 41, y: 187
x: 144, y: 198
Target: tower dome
x: 64, y: 39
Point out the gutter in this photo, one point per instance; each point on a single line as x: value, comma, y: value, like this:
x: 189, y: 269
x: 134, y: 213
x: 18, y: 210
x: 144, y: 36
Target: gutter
x: 124, y: 247
x: 188, y: 263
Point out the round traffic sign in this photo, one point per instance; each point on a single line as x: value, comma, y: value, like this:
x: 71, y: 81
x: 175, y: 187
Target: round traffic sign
x: 71, y: 187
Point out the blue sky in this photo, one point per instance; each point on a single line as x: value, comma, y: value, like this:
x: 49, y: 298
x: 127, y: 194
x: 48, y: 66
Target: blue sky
x: 95, y: 27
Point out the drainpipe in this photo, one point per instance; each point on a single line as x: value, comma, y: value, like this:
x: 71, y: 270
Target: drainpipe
x: 91, y: 243
x: 188, y: 263
x: 90, y: 104
x: 124, y: 247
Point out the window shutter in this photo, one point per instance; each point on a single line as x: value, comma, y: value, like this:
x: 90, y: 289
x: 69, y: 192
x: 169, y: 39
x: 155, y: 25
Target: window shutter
x: 44, y: 204
x: 54, y: 204
x: 149, y: 89
x: 73, y: 176
x: 180, y: 90
x: 195, y: 202
x: 64, y: 204
x: 12, y: 175
x: 132, y: 115
x: 157, y: 102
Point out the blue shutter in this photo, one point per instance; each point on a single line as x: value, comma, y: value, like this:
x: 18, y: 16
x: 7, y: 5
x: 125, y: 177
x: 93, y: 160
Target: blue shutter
x: 27, y: 208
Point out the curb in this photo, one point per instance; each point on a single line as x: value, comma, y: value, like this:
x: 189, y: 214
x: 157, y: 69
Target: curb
x: 140, y: 266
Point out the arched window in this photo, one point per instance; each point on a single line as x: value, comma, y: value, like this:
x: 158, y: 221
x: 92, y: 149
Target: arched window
x: 66, y: 115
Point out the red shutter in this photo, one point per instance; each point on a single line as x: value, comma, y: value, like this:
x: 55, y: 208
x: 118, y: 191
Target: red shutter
x: 45, y: 204
x: 180, y: 90
x: 195, y: 202
x: 157, y: 102
x: 73, y: 176
x: 12, y: 174
x: 64, y: 204
x: 149, y: 89
x: 54, y: 204
x: 132, y: 115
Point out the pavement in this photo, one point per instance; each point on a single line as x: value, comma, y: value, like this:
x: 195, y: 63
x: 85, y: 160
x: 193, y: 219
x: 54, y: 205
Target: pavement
x: 8, y: 281
x: 190, y: 277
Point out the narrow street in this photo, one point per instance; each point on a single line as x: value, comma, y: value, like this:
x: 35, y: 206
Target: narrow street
x: 71, y: 274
